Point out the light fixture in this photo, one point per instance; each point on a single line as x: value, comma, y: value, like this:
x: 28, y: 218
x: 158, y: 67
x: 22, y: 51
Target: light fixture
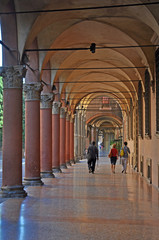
x: 93, y: 47
x: 53, y: 88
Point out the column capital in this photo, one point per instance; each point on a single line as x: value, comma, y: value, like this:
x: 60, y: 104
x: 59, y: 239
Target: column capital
x: 32, y: 91
x: 72, y: 118
x: 13, y: 76
x: 62, y: 112
x: 56, y: 107
x: 68, y: 113
x: 79, y: 113
x: 46, y: 100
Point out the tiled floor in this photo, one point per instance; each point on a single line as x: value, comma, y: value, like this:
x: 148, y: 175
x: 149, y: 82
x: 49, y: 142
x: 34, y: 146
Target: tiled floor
x: 77, y: 205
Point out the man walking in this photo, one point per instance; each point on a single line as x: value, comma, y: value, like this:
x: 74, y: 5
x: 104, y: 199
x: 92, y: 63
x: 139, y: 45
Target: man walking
x: 125, y: 157
x: 92, y: 155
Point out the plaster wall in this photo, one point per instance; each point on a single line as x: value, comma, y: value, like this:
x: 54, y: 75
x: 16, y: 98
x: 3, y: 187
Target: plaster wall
x: 148, y: 147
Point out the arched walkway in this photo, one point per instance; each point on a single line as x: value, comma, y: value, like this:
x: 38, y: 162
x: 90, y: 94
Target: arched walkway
x: 77, y: 205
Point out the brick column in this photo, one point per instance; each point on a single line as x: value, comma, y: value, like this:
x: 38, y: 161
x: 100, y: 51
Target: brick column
x: 72, y: 139
x: 56, y: 136
x: 79, y: 135
x: 62, y: 137
x: 12, y: 132
x: 46, y: 135
x: 76, y: 137
x: 84, y: 134
x: 67, y: 139
x: 32, y: 133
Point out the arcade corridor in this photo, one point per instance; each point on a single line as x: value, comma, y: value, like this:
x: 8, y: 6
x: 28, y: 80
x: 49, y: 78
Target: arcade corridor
x: 77, y: 205
x: 74, y: 72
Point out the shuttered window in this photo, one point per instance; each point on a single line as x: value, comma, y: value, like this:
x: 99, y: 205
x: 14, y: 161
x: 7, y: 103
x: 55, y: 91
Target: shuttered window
x: 140, y: 110
x: 157, y: 90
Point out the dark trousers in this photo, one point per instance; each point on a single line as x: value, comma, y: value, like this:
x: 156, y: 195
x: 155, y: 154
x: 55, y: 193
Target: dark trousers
x: 91, y: 164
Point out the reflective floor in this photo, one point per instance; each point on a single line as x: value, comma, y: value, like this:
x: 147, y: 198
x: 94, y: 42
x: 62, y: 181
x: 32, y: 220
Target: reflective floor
x: 77, y: 205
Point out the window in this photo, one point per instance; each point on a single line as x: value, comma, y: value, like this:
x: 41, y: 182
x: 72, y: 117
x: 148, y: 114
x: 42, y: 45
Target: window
x: 157, y: 90
x: 147, y: 103
x: 140, y: 110
x: 131, y: 119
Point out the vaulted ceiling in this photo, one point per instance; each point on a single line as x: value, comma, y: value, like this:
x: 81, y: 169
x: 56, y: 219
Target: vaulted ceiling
x: 119, y: 61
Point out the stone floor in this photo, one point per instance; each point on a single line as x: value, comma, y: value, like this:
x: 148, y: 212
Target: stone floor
x: 77, y: 205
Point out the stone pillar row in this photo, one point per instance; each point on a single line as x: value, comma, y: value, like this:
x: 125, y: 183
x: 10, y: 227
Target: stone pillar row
x: 80, y: 135
x: 49, y: 134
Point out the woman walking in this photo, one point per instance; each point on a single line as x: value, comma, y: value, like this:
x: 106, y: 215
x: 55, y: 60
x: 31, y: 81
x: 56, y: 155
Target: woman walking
x: 113, y: 154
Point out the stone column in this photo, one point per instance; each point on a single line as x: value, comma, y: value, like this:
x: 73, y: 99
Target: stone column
x: 46, y: 135
x: 56, y: 136
x: 95, y: 134
x: 32, y: 133
x: 76, y: 137
x: 12, y: 132
x: 79, y: 135
x: 62, y: 137
x: 67, y: 139
x: 84, y: 132
x: 90, y: 134
x: 72, y: 139
x: 96, y: 140
x: 82, y: 123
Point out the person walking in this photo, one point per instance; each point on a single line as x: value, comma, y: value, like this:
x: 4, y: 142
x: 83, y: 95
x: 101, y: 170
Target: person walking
x: 92, y: 155
x: 113, y: 154
x: 124, y: 158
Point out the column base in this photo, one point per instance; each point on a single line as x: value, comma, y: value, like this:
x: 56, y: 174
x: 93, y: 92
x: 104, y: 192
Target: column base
x: 32, y: 182
x: 13, y: 192
x: 77, y: 160
x: 47, y: 174
x: 72, y: 161
x: 68, y: 164
x: 63, y: 166
x: 56, y: 170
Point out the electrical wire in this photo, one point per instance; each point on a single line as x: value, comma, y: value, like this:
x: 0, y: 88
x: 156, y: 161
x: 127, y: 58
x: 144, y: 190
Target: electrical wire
x: 102, y: 81
x: 87, y: 48
x: 80, y: 8
x: 100, y: 98
x: 100, y: 92
x: 96, y: 68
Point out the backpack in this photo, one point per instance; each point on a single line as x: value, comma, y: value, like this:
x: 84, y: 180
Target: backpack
x: 122, y: 152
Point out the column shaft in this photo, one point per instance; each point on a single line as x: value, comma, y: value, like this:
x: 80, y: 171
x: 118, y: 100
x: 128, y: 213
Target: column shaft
x: 67, y: 139
x: 62, y: 137
x: 79, y: 135
x: 76, y: 137
x: 56, y: 137
x: 72, y: 140
x: 32, y: 134
x: 12, y: 132
x: 46, y: 136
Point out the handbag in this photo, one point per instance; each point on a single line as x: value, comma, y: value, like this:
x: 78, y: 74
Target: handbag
x: 110, y: 154
x: 88, y: 156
